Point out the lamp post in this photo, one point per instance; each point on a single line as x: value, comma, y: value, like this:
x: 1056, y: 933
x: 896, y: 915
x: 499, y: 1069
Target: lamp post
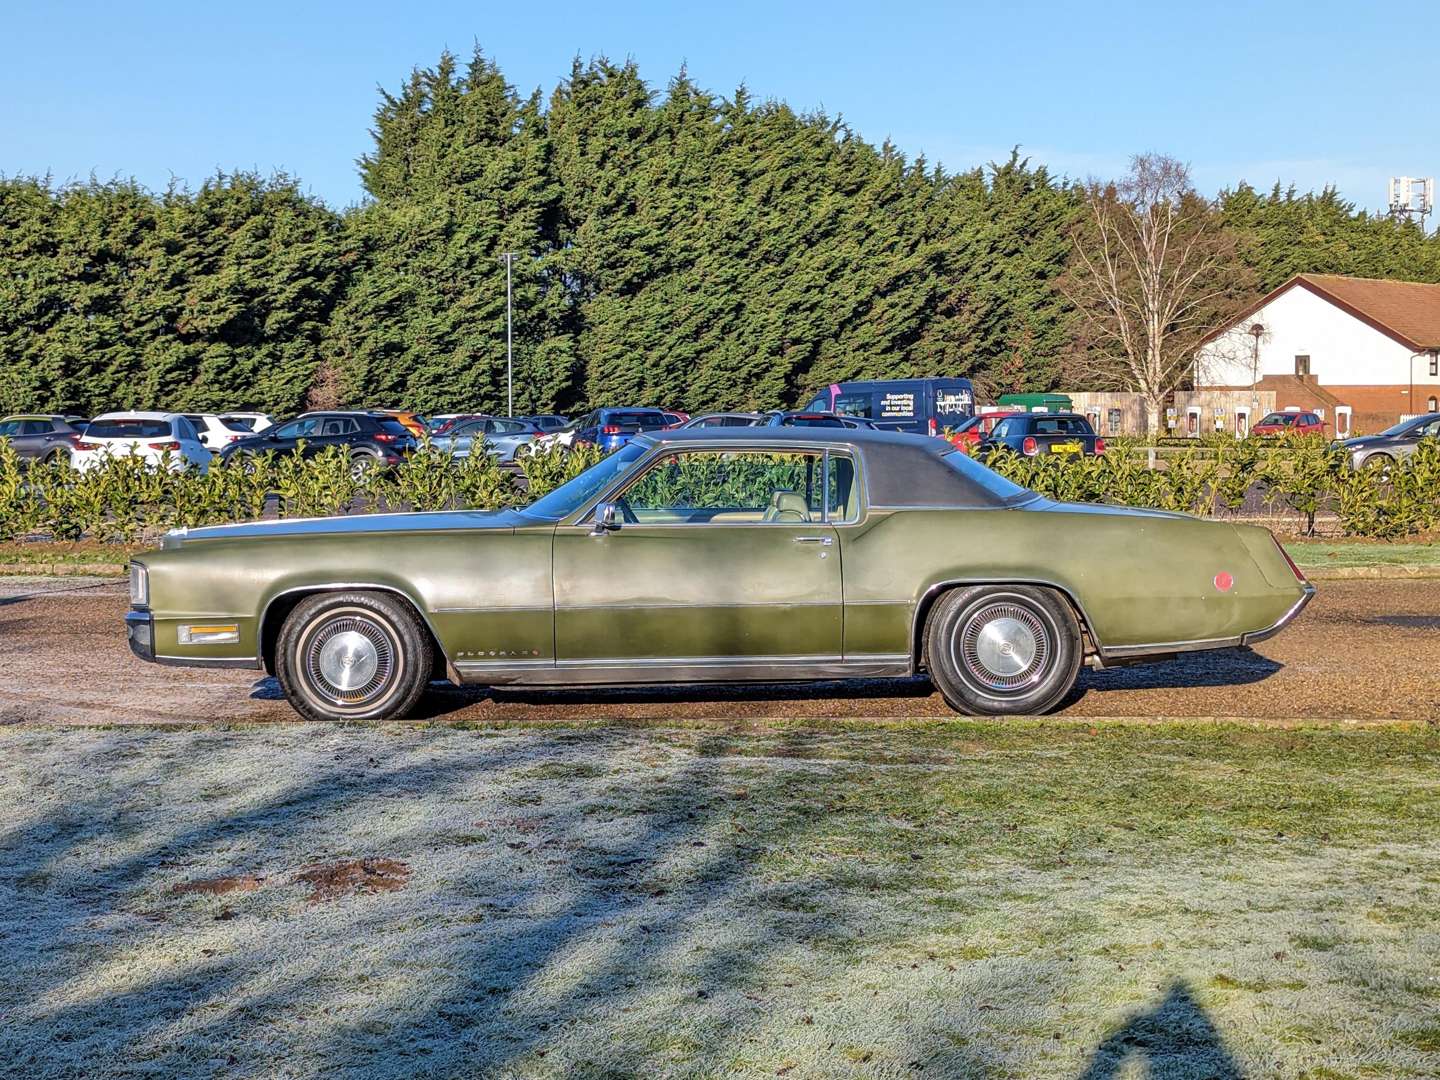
x: 1256, y: 332
x: 508, y: 258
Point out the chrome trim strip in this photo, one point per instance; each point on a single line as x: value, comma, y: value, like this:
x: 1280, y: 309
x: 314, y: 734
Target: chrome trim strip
x: 209, y: 661
x: 698, y: 661
x: 560, y: 607
x: 491, y: 610
x: 1285, y: 620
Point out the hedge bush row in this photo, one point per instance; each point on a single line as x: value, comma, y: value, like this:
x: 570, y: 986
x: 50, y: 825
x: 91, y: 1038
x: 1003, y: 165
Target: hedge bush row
x: 1303, y: 474
x: 125, y: 500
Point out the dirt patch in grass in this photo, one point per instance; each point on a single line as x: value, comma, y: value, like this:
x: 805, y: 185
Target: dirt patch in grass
x: 331, y: 881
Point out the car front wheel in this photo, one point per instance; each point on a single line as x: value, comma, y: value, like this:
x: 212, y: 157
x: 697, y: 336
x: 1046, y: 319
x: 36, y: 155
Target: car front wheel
x: 353, y: 656
x: 995, y: 650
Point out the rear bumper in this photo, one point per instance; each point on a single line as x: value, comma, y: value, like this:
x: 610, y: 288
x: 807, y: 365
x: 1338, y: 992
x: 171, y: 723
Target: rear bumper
x: 1169, y: 648
x: 1284, y: 620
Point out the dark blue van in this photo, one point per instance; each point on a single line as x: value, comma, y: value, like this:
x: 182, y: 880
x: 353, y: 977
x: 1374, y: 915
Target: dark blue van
x: 919, y: 406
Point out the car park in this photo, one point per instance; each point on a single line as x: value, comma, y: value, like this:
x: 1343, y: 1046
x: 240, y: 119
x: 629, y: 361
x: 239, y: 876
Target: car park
x: 1290, y: 423
x: 40, y: 437
x: 919, y: 406
x: 725, y: 419
x: 370, y: 438
x: 1385, y: 448
x: 214, y: 432
x: 500, y: 436
x: 1044, y: 433
x: 717, y: 555
x: 157, y: 438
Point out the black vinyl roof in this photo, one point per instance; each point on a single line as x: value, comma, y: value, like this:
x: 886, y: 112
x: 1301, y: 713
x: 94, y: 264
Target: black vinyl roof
x: 901, y: 470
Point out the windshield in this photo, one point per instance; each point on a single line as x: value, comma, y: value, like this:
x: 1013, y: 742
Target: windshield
x: 1275, y: 419
x: 1403, y: 428
x: 569, y: 497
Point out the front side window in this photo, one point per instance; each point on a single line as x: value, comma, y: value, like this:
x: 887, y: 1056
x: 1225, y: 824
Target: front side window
x: 728, y: 487
x: 299, y: 429
x: 855, y: 405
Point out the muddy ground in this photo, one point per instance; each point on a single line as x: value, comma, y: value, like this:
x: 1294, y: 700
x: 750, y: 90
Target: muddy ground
x: 1364, y: 650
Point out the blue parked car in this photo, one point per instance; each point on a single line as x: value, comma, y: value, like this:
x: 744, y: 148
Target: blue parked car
x: 611, y: 429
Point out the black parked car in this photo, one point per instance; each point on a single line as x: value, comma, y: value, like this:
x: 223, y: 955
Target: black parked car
x: 547, y: 421
x: 816, y: 419
x: 41, y: 437
x: 371, y: 437
x: 1045, y: 433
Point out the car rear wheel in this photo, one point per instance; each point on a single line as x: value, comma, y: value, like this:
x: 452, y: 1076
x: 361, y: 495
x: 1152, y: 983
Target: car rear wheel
x: 353, y: 656
x: 995, y: 650
x: 1383, y: 464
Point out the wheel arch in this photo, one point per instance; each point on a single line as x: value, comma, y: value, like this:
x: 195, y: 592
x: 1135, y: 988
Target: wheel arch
x: 279, y: 606
x: 921, y: 619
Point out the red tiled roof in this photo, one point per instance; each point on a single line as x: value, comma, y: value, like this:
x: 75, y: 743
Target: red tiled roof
x: 1408, y: 311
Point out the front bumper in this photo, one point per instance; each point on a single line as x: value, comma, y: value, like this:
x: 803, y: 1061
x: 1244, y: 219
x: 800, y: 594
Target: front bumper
x: 140, y: 633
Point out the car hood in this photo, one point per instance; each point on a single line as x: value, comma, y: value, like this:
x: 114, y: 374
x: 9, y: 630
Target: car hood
x: 1360, y: 442
x: 352, y: 523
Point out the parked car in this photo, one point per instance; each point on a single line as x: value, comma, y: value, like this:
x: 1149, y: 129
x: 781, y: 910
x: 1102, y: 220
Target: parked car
x: 40, y: 437
x: 725, y: 419
x: 676, y: 417
x: 717, y: 555
x: 611, y: 429
x: 444, y: 421
x: 1290, y: 423
x: 1045, y: 433
x: 214, y: 432
x: 253, y: 422
x: 500, y: 436
x: 372, y: 438
x: 919, y: 406
x: 1383, y: 449
x: 970, y: 432
x: 148, y: 435
x: 547, y: 421
x: 816, y: 419
x: 413, y: 422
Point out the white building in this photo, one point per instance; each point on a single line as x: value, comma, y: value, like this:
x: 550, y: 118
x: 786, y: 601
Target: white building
x: 1360, y: 351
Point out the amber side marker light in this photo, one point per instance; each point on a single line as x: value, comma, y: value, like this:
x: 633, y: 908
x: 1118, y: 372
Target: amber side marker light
x: 208, y: 634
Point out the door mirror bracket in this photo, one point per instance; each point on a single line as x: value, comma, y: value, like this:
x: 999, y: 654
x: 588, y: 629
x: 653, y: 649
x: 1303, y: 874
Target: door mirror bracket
x: 606, y: 519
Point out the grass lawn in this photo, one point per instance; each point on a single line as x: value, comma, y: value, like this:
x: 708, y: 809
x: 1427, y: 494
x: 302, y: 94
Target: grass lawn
x: 1029, y: 899
x: 1337, y: 553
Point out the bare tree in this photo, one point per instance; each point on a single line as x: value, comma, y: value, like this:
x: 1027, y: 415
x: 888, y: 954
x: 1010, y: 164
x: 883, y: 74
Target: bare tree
x: 1153, y: 270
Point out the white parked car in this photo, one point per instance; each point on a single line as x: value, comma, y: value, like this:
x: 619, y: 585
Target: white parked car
x: 215, y: 432
x: 253, y: 422
x: 149, y: 435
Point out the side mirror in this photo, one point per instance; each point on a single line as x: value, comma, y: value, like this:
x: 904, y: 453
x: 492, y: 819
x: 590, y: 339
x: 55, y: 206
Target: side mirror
x: 605, y: 519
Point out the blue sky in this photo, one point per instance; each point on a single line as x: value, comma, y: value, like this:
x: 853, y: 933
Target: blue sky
x: 1309, y: 93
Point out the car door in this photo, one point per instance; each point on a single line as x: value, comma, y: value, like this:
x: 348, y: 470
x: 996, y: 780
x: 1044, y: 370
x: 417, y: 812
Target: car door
x: 30, y: 440
x: 716, y: 558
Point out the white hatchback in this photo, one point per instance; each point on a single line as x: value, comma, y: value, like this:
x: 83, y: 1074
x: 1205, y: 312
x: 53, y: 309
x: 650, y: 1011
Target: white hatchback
x: 148, y: 435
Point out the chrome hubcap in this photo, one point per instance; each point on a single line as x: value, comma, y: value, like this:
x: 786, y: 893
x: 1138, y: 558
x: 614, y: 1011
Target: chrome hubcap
x: 350, y: 660
x: 1004, y: 647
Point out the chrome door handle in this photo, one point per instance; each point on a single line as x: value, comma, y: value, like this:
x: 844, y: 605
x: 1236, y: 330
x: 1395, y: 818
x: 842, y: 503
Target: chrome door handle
x: 825, y: 540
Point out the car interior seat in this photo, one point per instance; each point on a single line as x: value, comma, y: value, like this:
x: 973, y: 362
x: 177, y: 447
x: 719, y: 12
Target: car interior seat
x: 787, y: 506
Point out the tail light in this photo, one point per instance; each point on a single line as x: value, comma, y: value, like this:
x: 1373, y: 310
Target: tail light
x: 1099, y: 445
x: 934, y: 427
x: 610, y: 429
x: 171, y: 445
x: 1288, y: 560
x: 1030, y: 447
x: 385, y: 436
x: 74, y: 438
x: 81, y: 444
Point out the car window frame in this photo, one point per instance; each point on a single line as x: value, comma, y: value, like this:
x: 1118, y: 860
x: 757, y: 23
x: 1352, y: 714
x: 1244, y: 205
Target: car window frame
x: 586, y: 514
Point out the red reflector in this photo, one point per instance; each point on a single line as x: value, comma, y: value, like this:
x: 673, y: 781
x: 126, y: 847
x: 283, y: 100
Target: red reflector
x: 1030, y: 446
x: 1224, y: 582
x: 172, y: 445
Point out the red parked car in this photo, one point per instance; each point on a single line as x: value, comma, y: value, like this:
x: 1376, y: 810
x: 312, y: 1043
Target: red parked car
x: 968, y: 435
x: 1290, y: 423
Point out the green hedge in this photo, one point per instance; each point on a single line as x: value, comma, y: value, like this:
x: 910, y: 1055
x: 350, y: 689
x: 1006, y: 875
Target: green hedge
x: 125, y: 500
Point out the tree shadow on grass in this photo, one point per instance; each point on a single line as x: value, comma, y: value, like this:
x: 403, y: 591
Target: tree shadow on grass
x: 1174, y: 1040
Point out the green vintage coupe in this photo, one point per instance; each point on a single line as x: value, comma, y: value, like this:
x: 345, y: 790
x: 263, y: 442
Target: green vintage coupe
x: 717, y: 555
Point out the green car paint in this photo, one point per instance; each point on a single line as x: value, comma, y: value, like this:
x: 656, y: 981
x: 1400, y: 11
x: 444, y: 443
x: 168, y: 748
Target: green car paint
x: 529, y: 597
